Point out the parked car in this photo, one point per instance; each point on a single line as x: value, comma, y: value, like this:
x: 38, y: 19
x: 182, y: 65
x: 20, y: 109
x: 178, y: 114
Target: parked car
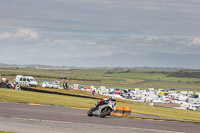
x: 56, y: 82
x: 52, y: 85
x: 26, y: 80
x: 194, y: 107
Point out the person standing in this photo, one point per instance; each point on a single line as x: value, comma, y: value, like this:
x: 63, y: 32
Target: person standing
x: 64, y: 87
x: 93, y: 92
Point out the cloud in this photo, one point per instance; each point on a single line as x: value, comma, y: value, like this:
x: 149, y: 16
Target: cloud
x: 152, y: 16
x: 151, y: 38
x: 27, y: 33
x: 195, y: 42
x: 60, y: 41
x: 141, y: 40
x: 90, y: 43
x: 6, y: 35
x: 22, y: 33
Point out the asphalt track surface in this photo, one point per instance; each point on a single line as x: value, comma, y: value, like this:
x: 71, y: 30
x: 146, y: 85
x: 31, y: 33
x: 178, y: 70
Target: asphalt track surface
x: 23, y: 118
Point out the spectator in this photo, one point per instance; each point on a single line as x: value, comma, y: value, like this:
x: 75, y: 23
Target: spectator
x: 66, y: 85
x: 93, y: 92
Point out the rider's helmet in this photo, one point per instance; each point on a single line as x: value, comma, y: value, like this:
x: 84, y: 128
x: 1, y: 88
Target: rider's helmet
x: 113, y: 98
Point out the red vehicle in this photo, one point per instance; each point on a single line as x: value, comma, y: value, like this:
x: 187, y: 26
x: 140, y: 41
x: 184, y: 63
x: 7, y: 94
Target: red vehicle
x: 118, y: 92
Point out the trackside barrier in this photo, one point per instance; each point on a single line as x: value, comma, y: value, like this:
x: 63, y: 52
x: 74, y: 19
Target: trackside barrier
x: 122, y: 111
x: 118, y: 111
x: 126, y: 111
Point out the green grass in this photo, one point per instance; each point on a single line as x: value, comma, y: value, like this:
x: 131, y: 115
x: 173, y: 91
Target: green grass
x: 42, y: 98
x: 6, y: 132
x: 74, y: 100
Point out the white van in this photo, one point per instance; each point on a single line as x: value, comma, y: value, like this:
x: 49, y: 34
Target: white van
x: 26, y: 80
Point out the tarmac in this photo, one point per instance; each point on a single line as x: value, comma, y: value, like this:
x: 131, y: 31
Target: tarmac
x: 26, y: 118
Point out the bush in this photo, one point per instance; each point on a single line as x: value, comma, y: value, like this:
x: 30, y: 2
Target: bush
x: 109, y: 72
x: 185, y: 74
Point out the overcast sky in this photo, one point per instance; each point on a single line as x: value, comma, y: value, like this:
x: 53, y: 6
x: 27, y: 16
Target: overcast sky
x: 54, y: 29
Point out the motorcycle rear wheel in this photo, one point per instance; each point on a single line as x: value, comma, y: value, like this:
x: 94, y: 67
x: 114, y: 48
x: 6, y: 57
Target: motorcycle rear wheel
x: 105, y: 111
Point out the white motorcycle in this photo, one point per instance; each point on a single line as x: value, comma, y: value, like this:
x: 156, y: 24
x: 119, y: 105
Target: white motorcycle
x: 103, y: 110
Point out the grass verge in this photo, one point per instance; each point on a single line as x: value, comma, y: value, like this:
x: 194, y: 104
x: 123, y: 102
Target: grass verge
x: 6, y: 132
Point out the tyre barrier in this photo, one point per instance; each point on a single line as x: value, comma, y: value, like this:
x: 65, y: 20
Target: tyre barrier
x: 122, y: 111
x: 126, y: 111
x: 118, y: 111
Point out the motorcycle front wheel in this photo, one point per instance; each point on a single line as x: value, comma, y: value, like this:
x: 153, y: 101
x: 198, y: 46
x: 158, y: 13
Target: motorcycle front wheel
x: 89, y: 113
x: 105, y: 111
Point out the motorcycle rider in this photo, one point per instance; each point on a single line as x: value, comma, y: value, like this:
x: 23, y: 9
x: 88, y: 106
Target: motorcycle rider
x: 103, y: 101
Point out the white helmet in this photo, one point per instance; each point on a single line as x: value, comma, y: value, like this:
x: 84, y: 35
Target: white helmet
x: 113, y: 98
x: 3, y: 79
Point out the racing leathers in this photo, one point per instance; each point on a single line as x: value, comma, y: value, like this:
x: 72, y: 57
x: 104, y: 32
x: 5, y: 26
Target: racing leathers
x: 103, y: 101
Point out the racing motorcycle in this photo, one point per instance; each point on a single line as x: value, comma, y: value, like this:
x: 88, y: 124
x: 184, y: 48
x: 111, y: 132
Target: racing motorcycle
x: 103, y: 110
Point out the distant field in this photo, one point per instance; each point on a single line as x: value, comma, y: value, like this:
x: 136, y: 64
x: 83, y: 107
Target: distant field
x: 83, y: 99
x: 167, y: 79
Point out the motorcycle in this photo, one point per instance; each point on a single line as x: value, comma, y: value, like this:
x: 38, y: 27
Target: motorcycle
x: 103, y: 110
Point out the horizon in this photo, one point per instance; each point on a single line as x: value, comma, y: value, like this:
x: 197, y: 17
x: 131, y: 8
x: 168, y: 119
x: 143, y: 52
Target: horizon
x: 124, y: 60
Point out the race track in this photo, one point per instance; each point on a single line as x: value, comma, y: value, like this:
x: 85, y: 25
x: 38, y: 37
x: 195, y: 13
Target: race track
x: 23, y: 118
